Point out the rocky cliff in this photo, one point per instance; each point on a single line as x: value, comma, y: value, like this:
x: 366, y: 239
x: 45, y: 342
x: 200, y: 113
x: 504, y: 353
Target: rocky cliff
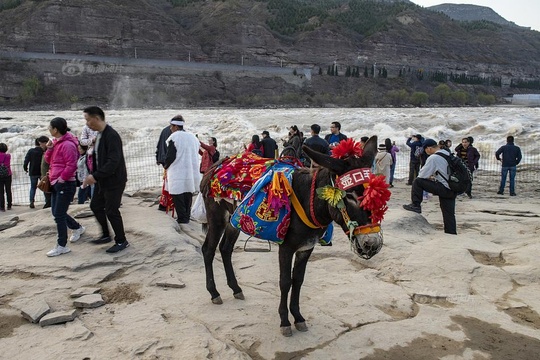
x: 397, y: 35
x: 466, y: 12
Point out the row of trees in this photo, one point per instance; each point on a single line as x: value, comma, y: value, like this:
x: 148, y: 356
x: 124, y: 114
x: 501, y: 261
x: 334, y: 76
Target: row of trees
x: 436, y: 76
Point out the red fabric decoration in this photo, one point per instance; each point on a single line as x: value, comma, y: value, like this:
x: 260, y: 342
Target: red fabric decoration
x: 376, y: 195
x: 347, y: 148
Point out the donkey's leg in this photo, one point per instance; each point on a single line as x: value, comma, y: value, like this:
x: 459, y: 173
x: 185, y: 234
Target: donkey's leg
x: 285, y: 265
x: 216, y: 227
x: 299, y: 271
x: 226, y: 247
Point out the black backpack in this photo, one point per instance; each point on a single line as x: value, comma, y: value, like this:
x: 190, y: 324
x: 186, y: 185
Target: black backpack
x: 460, y: 176
x: 215, y: 157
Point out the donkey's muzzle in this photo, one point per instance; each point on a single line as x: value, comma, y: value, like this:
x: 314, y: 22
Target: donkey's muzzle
x: 367, y: 245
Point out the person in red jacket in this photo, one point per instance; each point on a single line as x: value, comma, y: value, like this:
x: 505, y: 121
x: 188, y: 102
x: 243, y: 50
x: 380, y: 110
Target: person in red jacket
x: 207, y: 151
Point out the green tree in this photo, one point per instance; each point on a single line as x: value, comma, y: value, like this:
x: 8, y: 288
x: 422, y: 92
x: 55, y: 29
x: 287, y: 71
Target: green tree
x: 366, y: 72
x: 419, y: 98
x: 442, y: 94
x: 397, y: 97
x: 460, y: 97
x: 486, y: 99
x: 31, y: 87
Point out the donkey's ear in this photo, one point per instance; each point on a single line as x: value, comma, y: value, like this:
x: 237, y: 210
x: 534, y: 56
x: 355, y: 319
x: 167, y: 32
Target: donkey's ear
x: 337, y: 166
x: 370, y: 149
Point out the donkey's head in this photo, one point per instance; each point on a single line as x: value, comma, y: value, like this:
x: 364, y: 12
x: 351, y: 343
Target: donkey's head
x: 356, y: 198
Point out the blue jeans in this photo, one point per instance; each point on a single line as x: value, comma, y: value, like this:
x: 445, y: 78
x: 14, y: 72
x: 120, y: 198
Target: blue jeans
x: 392, y: 171
x: 61, y: 196
x: 33, y: 186
x: 504, y: 172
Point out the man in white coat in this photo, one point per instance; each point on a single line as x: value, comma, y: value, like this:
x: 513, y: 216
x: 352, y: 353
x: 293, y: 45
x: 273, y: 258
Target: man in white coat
x: 182, y: 164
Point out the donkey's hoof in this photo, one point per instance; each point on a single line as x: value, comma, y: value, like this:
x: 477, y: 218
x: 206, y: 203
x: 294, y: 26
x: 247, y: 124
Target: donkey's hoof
x: 217, y: 301
x: 286, y: 331
x: 239, y: 296
x: 301, y: 326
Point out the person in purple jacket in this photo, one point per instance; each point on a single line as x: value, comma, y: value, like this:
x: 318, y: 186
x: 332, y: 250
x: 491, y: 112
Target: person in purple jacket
x: 392, y: 149
x: 62, y: 156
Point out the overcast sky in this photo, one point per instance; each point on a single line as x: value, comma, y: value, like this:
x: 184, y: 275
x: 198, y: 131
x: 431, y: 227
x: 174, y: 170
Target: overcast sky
x: 522, y: 12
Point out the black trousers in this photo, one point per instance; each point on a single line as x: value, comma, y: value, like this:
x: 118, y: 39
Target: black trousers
x: 105, y: 204
x: 447, y: 201
x: 414, y: 169
x: 5, y: 187
x: 182, y: 204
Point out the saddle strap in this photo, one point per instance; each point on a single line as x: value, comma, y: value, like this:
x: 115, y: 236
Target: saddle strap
x: 301, y: 213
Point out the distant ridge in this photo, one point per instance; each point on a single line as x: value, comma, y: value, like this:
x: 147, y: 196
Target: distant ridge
x: 465, y: 12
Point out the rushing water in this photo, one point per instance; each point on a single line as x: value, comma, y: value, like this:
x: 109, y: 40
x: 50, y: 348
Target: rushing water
x: 234, y: 127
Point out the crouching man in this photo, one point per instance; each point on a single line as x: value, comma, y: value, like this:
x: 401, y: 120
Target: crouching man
x: 431, y: 178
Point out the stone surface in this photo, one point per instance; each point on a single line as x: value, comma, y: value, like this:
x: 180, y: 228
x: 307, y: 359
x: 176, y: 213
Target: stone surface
x: 58, y: 317
x: 171, y: 283
x: 89, y: 301
x: 34, y: 312
x: 84, y: 291
x: 6, y: 224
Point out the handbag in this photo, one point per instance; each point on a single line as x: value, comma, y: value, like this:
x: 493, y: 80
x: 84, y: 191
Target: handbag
x: 44, y: 184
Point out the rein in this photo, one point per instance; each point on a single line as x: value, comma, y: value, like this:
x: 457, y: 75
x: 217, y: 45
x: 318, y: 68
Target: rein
x: 300, y: 210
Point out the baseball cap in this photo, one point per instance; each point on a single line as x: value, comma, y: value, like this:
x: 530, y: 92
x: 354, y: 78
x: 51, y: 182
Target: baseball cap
x: 429, y: 143
x: 265, y: 133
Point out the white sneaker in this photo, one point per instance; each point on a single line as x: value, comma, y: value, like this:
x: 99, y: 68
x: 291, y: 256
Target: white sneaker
x: 58, y: 250
x: 76, y: 234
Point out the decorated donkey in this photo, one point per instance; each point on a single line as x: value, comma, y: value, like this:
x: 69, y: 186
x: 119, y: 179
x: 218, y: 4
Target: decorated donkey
x: 342, y: 190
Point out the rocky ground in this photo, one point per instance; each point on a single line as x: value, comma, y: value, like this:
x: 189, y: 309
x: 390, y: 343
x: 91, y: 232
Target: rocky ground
x: 426, y: 295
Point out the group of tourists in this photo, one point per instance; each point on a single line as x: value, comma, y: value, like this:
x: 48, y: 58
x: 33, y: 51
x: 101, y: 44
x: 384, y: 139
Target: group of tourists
x: 94, y: 163
x: 432, y: 174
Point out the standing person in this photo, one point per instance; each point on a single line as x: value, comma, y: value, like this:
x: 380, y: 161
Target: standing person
x: 255, y: 146
x: 448, y: 144
x: 269, y: 146
x: 315, y: 142
x: 293, y: 143
x: 183, y: 177
x: 207, y: 152
x: 432, y: 179
x: 44, y: 171
x: 161, y: 155
x: 83, y: 169
x: 109, y: 176
x: 470, y: 156
x: 383, y: 162
x: 62, y: 155
x: 5, y: 178
x: 335, y: 135
x: 392, y: 149
x: 415, y: 143
x: 511, y: 157
x: 32, y: 165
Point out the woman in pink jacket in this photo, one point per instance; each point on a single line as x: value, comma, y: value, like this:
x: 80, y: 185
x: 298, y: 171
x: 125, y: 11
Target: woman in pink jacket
x: 62, y: 155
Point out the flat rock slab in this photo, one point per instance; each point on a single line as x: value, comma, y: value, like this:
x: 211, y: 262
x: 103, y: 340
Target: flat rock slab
x: 84, y: 214
x: 6, y: 224
x: 84, y: 291
x: 59, y: 317
x: 34, y: 312
x: 89, y: 301
x: 171, y: 283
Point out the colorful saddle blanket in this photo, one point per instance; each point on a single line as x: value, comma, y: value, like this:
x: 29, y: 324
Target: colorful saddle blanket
x: 265, y: 211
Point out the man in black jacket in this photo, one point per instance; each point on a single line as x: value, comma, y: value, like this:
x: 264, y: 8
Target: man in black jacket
x: 110, y: 177
x: 269, y: 145
x: 32, y: 165
x: 511, y: 157
x: 335, y: 136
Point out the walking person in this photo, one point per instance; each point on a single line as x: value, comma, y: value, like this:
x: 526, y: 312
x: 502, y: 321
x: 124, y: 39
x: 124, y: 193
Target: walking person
x: 432, y: 179
x: 5, y: 178
x: 392, y: 149
x: 32, y: 165
x: 182, y: 164
x: 62, y: 155
x: 468, y: 153
x: 511, y: 157
x: 109, y: 176
x: 415, y: 143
